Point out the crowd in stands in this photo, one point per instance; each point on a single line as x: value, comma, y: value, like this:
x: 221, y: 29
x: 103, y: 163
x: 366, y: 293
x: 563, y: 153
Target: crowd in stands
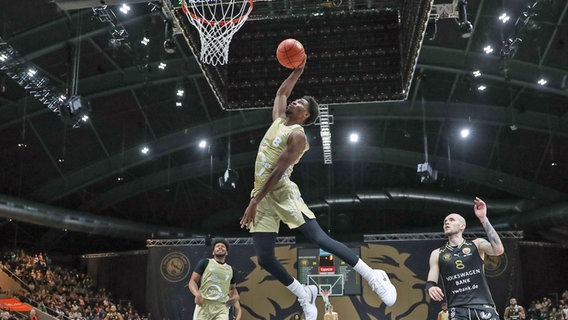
x: 62, y: 292
x: 546, y: 309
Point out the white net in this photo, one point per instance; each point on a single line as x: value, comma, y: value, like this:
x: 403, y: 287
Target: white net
x: 217, y: 21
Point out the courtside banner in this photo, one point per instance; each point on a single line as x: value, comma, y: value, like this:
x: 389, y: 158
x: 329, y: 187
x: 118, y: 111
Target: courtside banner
x: 263, y: 297
x: 169, y: 270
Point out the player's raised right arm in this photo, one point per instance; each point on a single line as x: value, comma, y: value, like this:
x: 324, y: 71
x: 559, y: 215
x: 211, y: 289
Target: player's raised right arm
x: 285, y: 91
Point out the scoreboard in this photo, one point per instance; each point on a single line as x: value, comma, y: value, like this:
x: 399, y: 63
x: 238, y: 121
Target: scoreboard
x: 314, y: 261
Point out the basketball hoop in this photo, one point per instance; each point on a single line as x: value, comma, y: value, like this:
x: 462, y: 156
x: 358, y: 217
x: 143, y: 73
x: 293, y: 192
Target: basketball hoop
x: 216, y: 21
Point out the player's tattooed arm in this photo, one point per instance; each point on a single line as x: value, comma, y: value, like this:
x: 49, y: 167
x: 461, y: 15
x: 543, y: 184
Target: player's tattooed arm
x: 494, y: 246
x: 494, y: 240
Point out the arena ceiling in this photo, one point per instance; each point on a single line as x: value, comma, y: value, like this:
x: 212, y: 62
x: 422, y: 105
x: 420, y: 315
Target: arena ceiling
x: 90, y: 189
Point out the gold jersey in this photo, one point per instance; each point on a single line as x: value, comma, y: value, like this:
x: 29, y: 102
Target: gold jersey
x: 216, y: 282
x: 271, y: 147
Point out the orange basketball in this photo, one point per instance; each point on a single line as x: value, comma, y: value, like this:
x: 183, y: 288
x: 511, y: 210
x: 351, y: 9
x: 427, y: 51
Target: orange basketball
x: 290, y: 53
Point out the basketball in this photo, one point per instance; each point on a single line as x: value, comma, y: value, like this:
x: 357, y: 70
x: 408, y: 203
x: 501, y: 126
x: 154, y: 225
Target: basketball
x: 290, y: 53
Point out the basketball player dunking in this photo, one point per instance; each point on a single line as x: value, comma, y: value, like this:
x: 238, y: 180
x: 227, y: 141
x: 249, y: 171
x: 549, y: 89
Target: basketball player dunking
x: 459, y: 265
x: 276, y: 198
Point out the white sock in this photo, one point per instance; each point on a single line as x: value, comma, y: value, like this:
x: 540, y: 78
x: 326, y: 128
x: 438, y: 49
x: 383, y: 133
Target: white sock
x: 297, y: 288
x: 364, y: 270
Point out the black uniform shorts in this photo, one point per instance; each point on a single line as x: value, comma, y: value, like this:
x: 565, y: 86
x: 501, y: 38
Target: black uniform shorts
x: 473, y: 313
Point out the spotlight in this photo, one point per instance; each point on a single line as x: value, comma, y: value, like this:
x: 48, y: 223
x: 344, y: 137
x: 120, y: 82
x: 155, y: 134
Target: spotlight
x: 504, y: 17
x: 202, y: 144
x: 465, y: 26
x: 464, y: 133
x: 31, y: 72
x: 162, y: 66
x: 477, y: 73
x: 488, y: 49
x: 145, y: 41
x: 169, y: 44
x: 481, y: 88
x: 354, y: 138
x: 125, y: 8
x: 542, y: 81
x: 144, y: 150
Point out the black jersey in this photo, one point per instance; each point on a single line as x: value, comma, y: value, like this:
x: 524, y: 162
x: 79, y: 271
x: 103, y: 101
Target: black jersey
x: 514, y: 312
x: 463, y: 276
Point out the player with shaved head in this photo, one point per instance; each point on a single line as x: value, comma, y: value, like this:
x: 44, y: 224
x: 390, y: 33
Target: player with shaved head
x: 459, y: 267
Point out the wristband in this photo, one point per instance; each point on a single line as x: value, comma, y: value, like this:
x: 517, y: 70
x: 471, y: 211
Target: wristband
x: 430, y: 284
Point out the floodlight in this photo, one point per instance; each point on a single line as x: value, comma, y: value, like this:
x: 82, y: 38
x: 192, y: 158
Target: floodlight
x: 504, y: 17
x: 125, y: 8
x: 202, y: 144
x: 354, y: 138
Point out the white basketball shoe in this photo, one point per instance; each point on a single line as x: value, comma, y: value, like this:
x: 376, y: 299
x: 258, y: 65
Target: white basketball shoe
x: 382, y: 286
x: 309, y: 302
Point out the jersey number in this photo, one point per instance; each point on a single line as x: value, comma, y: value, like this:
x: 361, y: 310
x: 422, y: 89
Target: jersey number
x: 459, y: 264
x: 276, y: 142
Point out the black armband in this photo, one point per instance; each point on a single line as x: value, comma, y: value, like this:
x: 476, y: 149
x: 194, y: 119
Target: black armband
x: 430, y: 284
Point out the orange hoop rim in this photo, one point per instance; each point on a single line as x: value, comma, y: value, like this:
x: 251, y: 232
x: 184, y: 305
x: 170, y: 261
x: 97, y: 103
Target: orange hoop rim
x: 220, y: 23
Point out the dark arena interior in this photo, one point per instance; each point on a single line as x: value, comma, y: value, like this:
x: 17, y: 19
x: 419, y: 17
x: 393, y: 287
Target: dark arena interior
x: 116, y: 139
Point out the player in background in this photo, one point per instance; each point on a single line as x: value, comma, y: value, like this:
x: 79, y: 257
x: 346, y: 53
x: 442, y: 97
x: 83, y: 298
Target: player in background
x: 217, y: 291
x: 459, y: 266
x: 276, y: 198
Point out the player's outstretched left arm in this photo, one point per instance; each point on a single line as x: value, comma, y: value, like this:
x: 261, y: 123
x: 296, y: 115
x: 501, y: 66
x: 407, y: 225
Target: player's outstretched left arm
x: 493, y: 245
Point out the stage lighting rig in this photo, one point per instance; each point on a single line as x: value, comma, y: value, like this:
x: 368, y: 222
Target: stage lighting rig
x: 426, y: 173
x: 74, y: 112
x: 228, y: 181
x: 26, y: 74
